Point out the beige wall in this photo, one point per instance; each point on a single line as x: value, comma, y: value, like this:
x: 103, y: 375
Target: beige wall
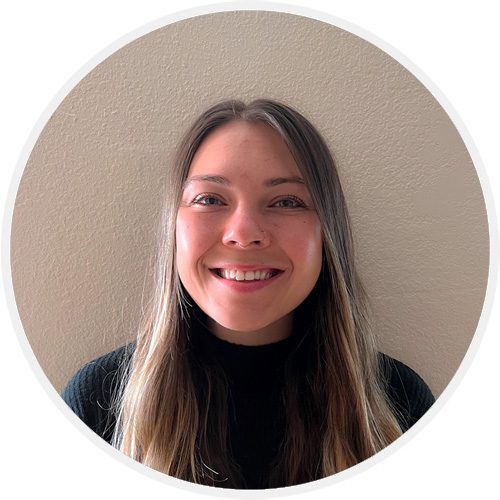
x: 85, y: 213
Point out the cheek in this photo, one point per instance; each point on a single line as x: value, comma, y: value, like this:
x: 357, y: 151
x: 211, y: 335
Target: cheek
x: 186, y: 231
x: 306, y: 245
x: 193, y: 236
x: 185, y: 246
x: 183, y: 235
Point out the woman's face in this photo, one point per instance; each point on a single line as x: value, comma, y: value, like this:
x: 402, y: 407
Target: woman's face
x: 248, y: 238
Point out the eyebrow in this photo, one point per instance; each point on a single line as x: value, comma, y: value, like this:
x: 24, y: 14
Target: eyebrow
x: 218, y: 179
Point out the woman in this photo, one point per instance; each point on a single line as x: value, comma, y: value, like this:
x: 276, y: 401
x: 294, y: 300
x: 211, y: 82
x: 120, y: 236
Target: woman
x: 255, y: 365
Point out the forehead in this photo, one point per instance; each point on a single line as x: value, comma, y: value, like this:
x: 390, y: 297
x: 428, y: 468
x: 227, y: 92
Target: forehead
x: 238, y: 147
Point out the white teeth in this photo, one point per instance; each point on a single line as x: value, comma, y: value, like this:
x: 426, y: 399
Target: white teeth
x: 234, y: 274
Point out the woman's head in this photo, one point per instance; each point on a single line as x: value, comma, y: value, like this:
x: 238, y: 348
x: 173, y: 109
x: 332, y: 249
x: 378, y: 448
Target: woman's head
x: 260, y: 200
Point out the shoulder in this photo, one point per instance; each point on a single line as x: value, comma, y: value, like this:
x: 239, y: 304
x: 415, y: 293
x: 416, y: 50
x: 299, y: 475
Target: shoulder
x: 90, y: 392
x: 409, y: 395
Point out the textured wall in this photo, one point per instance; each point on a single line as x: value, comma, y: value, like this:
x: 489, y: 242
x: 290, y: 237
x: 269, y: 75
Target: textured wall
x: 85, y: 213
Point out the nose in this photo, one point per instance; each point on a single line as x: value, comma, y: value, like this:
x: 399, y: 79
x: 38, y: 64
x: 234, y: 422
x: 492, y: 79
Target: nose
x: 244, y: 228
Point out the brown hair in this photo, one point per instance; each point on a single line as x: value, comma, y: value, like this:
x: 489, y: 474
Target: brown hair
x: 173, y: 405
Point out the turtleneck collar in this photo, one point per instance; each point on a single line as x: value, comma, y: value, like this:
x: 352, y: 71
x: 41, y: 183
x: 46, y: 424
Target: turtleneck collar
x: 248, y: 367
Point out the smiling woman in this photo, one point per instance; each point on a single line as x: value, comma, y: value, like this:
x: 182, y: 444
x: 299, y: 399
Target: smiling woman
x: 255, y: 366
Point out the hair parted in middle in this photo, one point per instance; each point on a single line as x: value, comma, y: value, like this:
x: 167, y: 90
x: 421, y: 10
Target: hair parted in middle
x: 172, y: 412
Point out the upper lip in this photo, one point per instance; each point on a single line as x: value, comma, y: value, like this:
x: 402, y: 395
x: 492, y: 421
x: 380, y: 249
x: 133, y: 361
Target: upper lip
x: 246, y: 267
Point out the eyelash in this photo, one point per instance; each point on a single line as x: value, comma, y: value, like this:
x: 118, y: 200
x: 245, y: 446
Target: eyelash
x: 204, y: 196
x: 197, y: 201
x: 297, y: 200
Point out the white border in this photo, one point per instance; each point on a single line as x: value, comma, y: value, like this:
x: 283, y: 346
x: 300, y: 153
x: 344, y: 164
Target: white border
x: 263, y: 6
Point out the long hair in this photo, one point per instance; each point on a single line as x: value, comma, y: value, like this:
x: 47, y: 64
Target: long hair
x: 173, y: 405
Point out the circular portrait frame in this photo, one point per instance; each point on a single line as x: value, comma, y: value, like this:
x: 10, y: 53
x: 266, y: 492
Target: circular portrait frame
x: 143, y: 32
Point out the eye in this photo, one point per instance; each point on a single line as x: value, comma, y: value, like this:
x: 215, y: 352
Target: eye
x: 289, y: 201
x: 207, y: 200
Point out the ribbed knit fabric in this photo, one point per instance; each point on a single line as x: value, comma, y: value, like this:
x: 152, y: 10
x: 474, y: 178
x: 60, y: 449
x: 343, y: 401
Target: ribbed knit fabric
x: 409, y: 394
x: 256, y: 413
x: 90, y: 391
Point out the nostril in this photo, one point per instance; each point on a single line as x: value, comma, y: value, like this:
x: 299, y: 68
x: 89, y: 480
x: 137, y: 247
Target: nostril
x: 244, y: 245
x: 244, y: 235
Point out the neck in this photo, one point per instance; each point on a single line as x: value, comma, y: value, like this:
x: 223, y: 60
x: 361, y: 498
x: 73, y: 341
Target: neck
x: 269, y: 334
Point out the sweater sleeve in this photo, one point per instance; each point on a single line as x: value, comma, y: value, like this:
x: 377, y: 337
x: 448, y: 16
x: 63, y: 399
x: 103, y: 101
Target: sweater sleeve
x: 409, y: 395
x: 90, y: 392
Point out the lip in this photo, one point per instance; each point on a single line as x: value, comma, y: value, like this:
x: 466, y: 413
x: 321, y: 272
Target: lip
x: 246, y: 286
x: 246, y: 267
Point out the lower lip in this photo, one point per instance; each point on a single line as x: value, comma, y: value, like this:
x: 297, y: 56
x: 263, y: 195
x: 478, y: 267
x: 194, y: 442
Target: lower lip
x: 246, y: 286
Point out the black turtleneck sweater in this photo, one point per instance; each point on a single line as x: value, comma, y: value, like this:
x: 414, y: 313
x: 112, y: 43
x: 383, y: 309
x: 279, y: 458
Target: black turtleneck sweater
x: 256, y: 412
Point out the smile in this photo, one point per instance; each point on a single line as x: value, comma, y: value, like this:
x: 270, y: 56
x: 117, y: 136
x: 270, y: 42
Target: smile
x: 240, y: 275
